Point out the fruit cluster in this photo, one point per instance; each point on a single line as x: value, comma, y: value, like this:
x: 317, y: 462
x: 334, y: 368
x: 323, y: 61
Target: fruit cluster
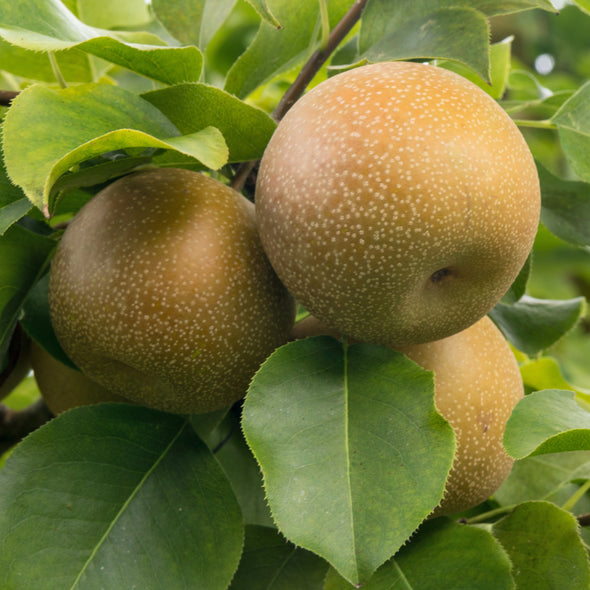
x: 396, y: 202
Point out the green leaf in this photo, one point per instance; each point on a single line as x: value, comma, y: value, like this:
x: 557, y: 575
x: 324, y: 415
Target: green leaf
x: 518, y: 288
x: 13, y: 202
x: 36, y: 321
x: 548, y: 421
x: 544, y: 545
x: 269, y: 562
x: 74, y: 64
x: 573, y: 124
x: 460, y: 34
x: 583, y: 5
x: 92, y: 119
x: 533, y: 325
x: 442, y: 555
x: 262, y: 8
x: 47, y: 25
x: 565, y: 208
x: 116, y: 496
x: 353, y: 453
x: 192, y: 22
x: 191, y: 107
x: 274, y: 51
x: 112, y: 14
x: 24, y: 255
x: 545, y: 373
x: 544, y: 477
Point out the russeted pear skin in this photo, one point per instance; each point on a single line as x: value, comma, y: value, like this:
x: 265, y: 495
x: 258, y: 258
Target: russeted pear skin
x: 397, y: 202
x: 477, y: 384
x: 63, y: 388
x: 160, y: 291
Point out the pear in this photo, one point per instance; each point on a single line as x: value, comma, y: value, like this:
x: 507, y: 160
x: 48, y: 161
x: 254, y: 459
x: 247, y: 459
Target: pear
x: 397, y: 202
x: 62, y: 387
x: 477, y: 384
x: 161, y: 292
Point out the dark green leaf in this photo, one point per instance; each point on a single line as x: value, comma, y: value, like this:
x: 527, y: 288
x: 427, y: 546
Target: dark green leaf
x: 544, y: 545
x: 192, y: 107
x: 353, y: 453
x: 36, y: 321
x: 460, y: 34
x: 92, y: 119
x: 573, y: 124
x: 24, y: 256
x: 13, y: 202
x: 548, y: 421
x: 518, y: 288
x: 274, y: 51
x: 116, y: 496
x: 269, y: 562
x: 442, y: 555
x: 533, y: 325
x: 565, y: 208
x: 47, y: 25
x: 192, y: 22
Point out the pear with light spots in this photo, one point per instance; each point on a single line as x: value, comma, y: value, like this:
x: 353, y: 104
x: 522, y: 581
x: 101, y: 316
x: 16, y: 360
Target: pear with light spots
x: 62, y: 387
x: 160, y: 291
x: 477, y: 384
x: 397, y: 202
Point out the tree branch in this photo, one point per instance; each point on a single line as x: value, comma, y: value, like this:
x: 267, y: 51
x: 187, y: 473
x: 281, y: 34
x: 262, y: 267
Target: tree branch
x: 6, y: 97
x: 15, y: 425
x: 306, y: 75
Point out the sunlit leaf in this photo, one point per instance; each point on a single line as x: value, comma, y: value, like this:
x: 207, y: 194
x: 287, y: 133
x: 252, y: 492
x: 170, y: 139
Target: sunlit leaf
x: 47, y: 25
x: 136, y: 501
x: 191, y: 107
x: 533, y: 325
x: 544, y: 545
x: 92, y: 119
x: 443, y: 554
x: 548, y: 421
x: 262, y: 8
x: 353, y: 453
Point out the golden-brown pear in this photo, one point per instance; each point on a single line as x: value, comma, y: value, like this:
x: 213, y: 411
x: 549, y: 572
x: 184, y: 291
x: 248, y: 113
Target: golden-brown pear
x: 161, y: 292
x: 397, y: 202
x: 62, y: 387
x: 477, y: 384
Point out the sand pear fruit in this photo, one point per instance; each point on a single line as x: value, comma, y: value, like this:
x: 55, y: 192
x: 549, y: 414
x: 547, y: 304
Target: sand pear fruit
x: 62, y: 387
x: 397, y: 202
x: 161, y: 292
x: 477, y: 384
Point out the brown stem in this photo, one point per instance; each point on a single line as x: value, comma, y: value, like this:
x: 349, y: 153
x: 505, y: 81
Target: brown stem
x: 6, y: 97
x: 306, y: 75
x: 584, y: 519
x: 15, y: 425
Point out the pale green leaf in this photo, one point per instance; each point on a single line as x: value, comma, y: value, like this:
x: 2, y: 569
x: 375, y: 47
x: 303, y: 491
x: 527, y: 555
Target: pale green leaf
x: 544, y: 545
x: 442, y: 555
x: 269, y: 562
x: 460, y: 34
x: 533, y: 325
x: 112, y: 14
x: 274, y: 51
x: 262, y: 8
x: 47, y: 25
x: 92, y: 119
x: 192, y: 22
x: 137, y: 501
x: 191, y: 107
x: 583, y: 5
x: 548, y: 421
x: 573, y: 124
x: 353, y: 453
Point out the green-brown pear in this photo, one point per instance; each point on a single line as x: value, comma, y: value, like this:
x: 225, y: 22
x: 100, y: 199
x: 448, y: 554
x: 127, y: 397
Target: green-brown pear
x: 62, y: 387
x: 477, y: 384
x: 161, y: 292
x: 397, y: 202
